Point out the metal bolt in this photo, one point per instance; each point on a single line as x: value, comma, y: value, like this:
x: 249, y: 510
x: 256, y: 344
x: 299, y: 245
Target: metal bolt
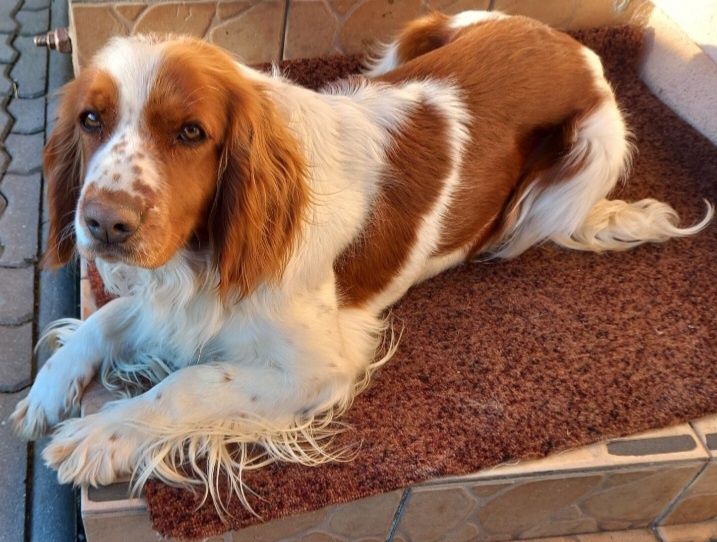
x: 55, y: 40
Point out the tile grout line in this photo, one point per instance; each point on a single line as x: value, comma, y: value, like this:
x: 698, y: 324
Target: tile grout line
x: 397, y: 516
x: 702, y: 440
x: 282, y: 46
x: 656, y: 532
x: 670, y: 507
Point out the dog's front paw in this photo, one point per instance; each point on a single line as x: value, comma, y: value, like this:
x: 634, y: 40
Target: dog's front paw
x: 33, y: 418
x: 43, y: 408
x: 94, y: 450
x: 28, y: 420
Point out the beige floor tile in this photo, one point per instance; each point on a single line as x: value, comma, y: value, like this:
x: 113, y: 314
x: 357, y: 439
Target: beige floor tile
x: 556, y: 539
x: 432, y: 512
x: 628, y: 502
x: 697, y: 532
x: 527, y: 507
x: 641, y: 535
x: 130, y: 12
x: 376, y: 21
x: 591, y: 13
x: 191, y: 18
x: 311, y: 29
x: 451, y: 7
x: 370, y: 517
x: 556, y: 13
x: 280, y: 529
x: 699, y: 502
x: 706, y: 429
x: 255, y: 34
x: 92, y: 25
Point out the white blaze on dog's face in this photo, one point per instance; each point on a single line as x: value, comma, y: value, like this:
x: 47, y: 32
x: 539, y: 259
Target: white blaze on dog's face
x: 151, y: 152
x: 166, y: 145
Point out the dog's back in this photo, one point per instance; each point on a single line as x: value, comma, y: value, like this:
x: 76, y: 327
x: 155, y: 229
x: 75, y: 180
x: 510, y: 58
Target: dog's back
x: 546, y: 143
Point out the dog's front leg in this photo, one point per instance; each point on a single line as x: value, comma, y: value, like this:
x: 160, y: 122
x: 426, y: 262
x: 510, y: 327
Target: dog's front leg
x: 198, y: 405
x: 59, y: 384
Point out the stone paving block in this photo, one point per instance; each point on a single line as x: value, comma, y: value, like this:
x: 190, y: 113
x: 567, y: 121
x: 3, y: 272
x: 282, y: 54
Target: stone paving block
x: 25, y: 152
x: 3, y: 205
x: 13, y: 472
x: 6, y: 85
x: 4, y: 160
x: 19, y: 223
x: 35, y: 5
x: 53, y: 103
x: 29, y: 115
x: 7, y: 23
x: 15, y: 357
x: 30, y: 69
x: 17, y: 295
x: 33, y: 22
x: 5, y: 123
x: 7, y: 53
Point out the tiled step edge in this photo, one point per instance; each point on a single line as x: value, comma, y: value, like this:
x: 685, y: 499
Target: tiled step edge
x: 662, y: 477
x: 680, y: 73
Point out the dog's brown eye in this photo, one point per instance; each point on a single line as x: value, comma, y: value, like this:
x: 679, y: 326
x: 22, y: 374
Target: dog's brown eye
x: 191, y: 133
x: 91, y: 121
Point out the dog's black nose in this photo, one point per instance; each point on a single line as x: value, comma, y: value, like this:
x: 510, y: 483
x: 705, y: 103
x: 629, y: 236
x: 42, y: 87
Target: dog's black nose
x: 111, y: 222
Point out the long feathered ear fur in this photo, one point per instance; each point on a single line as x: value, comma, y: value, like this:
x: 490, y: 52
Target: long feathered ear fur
x: 62, y: 163
x: 261, y: 196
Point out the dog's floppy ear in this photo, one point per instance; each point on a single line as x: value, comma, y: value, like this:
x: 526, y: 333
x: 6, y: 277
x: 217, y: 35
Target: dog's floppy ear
x: 261, y: 196
x: 62, y: 163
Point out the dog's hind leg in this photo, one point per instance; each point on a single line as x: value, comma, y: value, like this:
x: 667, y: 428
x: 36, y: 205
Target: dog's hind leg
x: 564, y: 197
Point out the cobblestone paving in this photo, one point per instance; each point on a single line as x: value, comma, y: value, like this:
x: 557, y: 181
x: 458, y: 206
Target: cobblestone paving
x: 23, y: 80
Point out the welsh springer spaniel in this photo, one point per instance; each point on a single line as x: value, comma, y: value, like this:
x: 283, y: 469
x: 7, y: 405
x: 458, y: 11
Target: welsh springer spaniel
x: 255, y: 231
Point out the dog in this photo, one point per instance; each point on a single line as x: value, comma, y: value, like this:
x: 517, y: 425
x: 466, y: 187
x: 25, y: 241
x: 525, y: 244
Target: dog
x: 255, y: 232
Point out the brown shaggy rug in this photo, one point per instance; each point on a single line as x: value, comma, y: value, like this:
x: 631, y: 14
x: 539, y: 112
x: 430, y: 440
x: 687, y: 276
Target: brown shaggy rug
x: 515, y: 360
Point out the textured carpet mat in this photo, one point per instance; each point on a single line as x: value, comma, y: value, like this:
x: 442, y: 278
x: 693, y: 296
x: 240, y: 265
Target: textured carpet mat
x: 513, y: 360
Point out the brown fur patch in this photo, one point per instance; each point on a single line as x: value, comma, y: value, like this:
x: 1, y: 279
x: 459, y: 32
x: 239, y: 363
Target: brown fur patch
x: 252, y: 222
x: 148, y: 194
x: 422, y: 36
x: 523, y: 85
x: 418, y: 163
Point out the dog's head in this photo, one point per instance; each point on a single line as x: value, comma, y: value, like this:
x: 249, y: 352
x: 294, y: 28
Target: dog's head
x: 162, y: 146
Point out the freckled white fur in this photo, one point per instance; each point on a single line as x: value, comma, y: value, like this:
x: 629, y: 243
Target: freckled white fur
x: 133, y: 67
x: 275, y: 369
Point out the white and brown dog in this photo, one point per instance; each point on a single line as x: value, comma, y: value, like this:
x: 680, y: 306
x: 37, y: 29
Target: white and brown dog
x: 256, y: 231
